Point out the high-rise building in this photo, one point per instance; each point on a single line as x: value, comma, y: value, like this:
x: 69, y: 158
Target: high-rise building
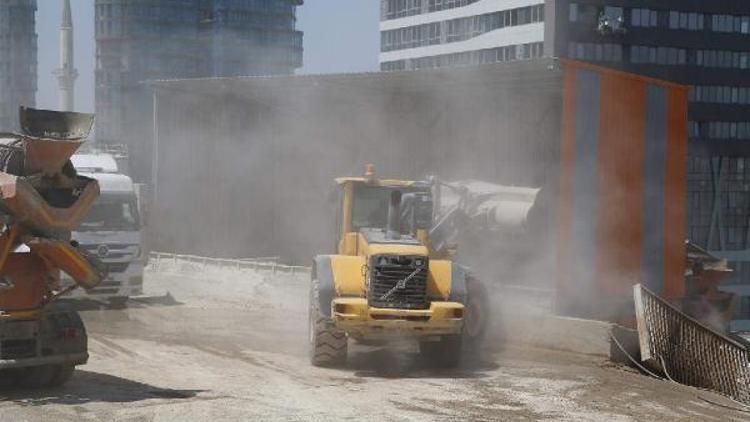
x: 18, y: 59
x: 250, y: 37
x: 141, y: 40
x: 702, y: 44
x: 417, y: 34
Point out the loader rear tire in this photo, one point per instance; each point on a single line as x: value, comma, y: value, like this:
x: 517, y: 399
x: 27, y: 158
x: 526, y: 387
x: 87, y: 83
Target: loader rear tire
x: 328, y: 345
x: 445, y: 353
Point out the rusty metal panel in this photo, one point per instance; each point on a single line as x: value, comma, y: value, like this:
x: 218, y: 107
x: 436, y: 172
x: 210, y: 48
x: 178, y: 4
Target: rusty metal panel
x: 654, y: 177
x: 621, y: 191
x: 619, y: 188
x: 675, y: 193
x: 688, y: 351
x: 585, y: 200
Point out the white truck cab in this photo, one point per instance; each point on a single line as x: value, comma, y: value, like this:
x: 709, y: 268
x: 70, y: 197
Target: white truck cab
x: 111, y: 230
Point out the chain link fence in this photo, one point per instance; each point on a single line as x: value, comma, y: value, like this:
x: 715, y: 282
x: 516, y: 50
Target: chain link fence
x: 170, y: 262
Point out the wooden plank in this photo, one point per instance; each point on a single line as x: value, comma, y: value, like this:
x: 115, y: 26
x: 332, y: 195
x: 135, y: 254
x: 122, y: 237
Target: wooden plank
x: 644, y: 338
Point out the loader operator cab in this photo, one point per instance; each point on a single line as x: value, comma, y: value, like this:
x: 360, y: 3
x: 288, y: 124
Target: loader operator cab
x: 370, y: 207
x: 365, y: 203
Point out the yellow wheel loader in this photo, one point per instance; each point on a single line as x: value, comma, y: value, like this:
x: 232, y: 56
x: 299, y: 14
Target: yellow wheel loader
x: 386, y: 281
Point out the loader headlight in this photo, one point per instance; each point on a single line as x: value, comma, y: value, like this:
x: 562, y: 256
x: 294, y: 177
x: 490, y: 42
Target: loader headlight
x: 419, y: 262
x: 342, y: 308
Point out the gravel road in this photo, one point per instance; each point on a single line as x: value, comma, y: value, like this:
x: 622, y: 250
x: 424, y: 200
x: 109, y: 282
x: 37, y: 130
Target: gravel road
x: 224, y: 345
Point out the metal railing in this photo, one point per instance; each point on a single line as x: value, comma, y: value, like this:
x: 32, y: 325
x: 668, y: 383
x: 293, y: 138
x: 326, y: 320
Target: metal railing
x: 159, y: 261
x: 689, y: 352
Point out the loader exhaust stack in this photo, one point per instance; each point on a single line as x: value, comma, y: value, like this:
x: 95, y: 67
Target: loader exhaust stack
x: 392, y: 229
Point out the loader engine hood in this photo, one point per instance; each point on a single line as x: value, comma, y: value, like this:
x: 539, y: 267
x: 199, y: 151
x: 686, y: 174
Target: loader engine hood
x: 397, y: 270
x: 375, y: 242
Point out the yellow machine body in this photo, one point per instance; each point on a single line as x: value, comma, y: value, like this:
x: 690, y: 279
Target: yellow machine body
x: 349, y: 269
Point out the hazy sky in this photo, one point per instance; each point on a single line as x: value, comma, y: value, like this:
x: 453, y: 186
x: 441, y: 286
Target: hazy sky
x: 340, y: 36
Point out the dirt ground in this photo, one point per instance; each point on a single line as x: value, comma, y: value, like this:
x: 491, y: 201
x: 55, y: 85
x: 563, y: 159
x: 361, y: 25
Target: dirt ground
x: 227, y: 346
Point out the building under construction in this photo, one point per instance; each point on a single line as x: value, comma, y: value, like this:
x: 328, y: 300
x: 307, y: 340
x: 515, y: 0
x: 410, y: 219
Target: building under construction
x: 138, y: 40
x: 18, y: 61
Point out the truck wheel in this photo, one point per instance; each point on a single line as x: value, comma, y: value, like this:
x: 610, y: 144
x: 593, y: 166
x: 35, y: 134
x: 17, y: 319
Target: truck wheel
x: 62, y: 375
x: 328, y: 345
x: 118, y: 302
x: 10, y: 377
x: 38, y: 376
x: 445, y: 353
x: 476, y: 313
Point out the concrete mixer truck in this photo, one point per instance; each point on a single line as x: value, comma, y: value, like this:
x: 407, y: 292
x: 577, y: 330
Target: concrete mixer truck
x: 42, y: 199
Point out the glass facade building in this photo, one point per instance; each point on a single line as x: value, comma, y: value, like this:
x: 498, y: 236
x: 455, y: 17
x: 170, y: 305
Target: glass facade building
x: 141, y: 40
x: 418, y: 34
x: 18, y: 59
x: 701, y: 44
x: 705, y: 45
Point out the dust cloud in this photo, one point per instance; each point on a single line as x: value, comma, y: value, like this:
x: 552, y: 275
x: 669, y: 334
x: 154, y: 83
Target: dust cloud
x: 245, y: 167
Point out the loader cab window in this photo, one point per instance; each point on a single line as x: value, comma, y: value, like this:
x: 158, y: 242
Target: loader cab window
x: 370, y: 208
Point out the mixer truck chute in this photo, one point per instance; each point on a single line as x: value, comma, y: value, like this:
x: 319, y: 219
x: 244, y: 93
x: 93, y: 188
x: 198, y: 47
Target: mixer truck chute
x: 41, y: 200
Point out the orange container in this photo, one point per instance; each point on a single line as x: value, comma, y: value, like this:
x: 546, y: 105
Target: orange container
x: 622, y: 212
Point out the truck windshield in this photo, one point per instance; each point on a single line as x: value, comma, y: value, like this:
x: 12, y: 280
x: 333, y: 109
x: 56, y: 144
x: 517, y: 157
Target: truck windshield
x: 111, y: 213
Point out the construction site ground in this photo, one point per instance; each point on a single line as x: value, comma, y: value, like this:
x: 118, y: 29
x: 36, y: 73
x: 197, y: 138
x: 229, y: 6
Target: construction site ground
x: 229, y: 345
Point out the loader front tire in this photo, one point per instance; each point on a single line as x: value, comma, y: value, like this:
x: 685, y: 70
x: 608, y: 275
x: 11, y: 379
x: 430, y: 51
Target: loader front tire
x: 327, y: 344
x: 445, y: 353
